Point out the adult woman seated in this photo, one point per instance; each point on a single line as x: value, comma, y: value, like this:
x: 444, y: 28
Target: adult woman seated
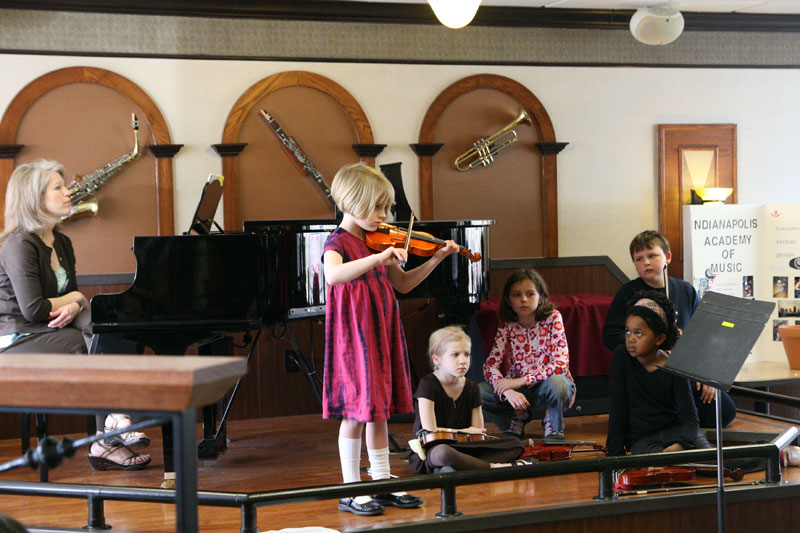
x: 41, y: 309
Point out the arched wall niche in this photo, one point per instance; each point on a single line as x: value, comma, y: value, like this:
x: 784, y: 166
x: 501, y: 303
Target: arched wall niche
x: 518, y: 190
x: 81, y: 117
x: 262, y: 178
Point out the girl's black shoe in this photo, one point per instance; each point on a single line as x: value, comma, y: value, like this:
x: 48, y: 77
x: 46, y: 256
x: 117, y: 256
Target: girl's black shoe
x: 404, y: 501
x: 370, y: 508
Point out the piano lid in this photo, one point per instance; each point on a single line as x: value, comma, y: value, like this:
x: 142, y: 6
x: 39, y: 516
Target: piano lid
x: 199, y: 282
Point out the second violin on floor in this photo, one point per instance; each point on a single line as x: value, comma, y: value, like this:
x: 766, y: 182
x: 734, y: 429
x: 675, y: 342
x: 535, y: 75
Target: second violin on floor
x: 657, y: 476
x: 419, y: 243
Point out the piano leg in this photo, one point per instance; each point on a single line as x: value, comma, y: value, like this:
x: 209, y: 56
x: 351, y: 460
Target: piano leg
x: 214, y: 441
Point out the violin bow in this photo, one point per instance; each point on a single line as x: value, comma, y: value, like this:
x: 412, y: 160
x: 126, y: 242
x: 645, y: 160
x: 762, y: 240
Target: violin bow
x: 686, y: 487
x: 408, y: 235
x: 666, y: 281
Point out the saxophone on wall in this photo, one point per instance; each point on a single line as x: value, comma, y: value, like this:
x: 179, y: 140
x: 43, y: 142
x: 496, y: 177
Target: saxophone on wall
x: 84, y: 188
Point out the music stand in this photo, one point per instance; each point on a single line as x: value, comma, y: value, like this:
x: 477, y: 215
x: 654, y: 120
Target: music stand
x: 203, y: 218
x: 712, y: 350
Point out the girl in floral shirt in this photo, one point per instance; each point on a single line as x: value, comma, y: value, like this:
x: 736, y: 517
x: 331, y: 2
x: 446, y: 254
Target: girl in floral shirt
x: 528, y: 367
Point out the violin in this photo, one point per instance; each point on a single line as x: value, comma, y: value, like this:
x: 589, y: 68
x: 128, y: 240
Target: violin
x: 421, y: 243
x: 429, y: 438
x: 557, y: 451
x: 628, y: 479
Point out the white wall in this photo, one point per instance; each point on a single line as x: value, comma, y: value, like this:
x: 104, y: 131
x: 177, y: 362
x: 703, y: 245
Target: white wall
x: 607, y: 175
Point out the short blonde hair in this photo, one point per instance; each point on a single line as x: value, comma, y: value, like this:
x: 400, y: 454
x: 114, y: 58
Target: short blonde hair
x: 444, y: 336
x: 358, y: 188
x: 24, y: 193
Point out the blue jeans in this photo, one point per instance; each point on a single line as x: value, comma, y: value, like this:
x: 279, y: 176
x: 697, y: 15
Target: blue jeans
x: 551, y: 395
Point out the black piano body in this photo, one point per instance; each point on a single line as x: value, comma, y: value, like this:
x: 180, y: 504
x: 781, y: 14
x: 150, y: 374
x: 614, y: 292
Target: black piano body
x: 186, y: 288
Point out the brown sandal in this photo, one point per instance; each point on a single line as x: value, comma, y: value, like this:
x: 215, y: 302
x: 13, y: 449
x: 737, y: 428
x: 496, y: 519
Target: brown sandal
x: 102, y: 462
x: 131, y: 439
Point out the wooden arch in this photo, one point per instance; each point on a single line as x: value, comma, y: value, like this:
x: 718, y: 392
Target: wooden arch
x: 12, y: 119
x: 246, y: 102
x: 540, y: 120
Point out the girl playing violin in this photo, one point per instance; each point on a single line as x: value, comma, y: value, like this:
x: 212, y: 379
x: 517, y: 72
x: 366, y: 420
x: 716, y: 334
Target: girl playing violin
x: 448, y: 404
x: 651, y: 410
x: 366, y: 362
x: 528, y: 367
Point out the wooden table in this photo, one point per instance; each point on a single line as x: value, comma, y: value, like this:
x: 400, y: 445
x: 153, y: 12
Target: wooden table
x: 148, y: 385
x: 764, y: 374
x: 767, y: 373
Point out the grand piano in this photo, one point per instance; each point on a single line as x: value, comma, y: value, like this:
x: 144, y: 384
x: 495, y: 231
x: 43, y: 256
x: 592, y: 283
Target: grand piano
x: 198, y: 289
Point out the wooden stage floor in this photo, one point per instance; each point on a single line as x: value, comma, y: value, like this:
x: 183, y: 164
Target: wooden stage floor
x: 282, y: 453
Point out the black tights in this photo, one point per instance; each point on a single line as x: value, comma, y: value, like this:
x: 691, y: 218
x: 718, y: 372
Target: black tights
x: 445, y: 455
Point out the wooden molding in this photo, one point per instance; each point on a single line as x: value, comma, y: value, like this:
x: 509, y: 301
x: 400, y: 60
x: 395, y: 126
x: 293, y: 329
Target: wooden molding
x: 551, y: 148
x: 256, y: 92
x: 12, y: 118
x: 367, y: 151
x: 228, y: 150
x: 540, y: 120
x: 164, y: 150
x: 10, y: 151
x: 411, y: 13
x: 672, y: 140
x: 426, y: 149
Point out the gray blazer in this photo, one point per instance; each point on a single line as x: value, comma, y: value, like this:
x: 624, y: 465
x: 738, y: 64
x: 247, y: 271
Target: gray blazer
x: 27, y: 280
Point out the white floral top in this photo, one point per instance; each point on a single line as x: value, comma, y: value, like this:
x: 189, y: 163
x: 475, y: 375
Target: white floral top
x: 535, y: 353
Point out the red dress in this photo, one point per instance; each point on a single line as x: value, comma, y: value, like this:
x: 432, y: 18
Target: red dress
x: 366, y: 361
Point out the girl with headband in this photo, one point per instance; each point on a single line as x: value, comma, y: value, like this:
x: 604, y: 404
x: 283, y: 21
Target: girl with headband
x: 651, y: 410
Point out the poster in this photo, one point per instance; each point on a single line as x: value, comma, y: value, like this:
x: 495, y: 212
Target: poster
x: 750, y: 251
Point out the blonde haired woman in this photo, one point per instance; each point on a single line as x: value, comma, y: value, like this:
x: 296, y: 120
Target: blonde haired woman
x: 41, y: 309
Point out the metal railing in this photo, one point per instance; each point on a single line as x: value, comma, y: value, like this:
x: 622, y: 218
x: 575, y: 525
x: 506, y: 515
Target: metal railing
x: 96, y: 495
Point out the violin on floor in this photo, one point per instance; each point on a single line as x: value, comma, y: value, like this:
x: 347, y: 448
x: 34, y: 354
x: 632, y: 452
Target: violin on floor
x: 545, y: 450
x: 664, y: 475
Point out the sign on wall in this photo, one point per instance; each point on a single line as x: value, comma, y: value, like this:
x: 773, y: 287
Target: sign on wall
x: 750, y: 251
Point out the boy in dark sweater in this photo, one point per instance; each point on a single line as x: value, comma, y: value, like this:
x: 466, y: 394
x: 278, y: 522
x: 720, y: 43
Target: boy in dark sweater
x: 651, y: 254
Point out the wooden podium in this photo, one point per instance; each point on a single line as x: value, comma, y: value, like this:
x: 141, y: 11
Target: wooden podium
x: 147, y: 385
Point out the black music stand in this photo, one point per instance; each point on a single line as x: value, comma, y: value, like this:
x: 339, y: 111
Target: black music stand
x: 712, y: 350
x: 203, y: 218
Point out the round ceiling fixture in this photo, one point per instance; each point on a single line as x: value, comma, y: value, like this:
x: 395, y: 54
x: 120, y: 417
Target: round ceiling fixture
x: 657, y: 24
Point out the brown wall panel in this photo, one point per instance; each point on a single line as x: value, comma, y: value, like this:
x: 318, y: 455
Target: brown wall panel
x: 270, y: 185
x: 508, y: 190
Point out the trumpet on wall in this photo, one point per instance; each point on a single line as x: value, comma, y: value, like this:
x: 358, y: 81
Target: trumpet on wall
x: 483, y: 151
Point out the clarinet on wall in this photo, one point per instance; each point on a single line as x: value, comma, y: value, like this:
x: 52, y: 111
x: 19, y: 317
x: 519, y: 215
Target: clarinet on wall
x: 300, y: 160
x: 81, y: 189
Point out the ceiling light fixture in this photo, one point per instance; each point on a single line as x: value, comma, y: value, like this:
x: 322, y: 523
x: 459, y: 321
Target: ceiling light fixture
x: 657, y: 24
x: 455, y: 13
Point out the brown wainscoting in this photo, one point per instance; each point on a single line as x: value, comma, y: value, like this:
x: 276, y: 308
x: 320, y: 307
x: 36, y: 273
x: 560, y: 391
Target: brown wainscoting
x: 563, y: 275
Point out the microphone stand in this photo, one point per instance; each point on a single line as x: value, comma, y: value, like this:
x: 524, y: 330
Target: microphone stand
x: 51, y: 452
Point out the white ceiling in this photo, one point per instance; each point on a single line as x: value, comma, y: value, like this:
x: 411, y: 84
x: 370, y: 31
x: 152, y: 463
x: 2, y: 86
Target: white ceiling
x: 785, y: 7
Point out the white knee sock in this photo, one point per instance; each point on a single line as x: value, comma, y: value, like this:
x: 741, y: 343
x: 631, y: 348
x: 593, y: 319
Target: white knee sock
x: 379, y: 463
x: 350, y: 457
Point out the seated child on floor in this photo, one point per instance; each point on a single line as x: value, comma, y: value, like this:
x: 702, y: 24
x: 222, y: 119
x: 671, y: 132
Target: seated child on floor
x: 447, y: 402
x: 528, y: 367
x: 651, y: 410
